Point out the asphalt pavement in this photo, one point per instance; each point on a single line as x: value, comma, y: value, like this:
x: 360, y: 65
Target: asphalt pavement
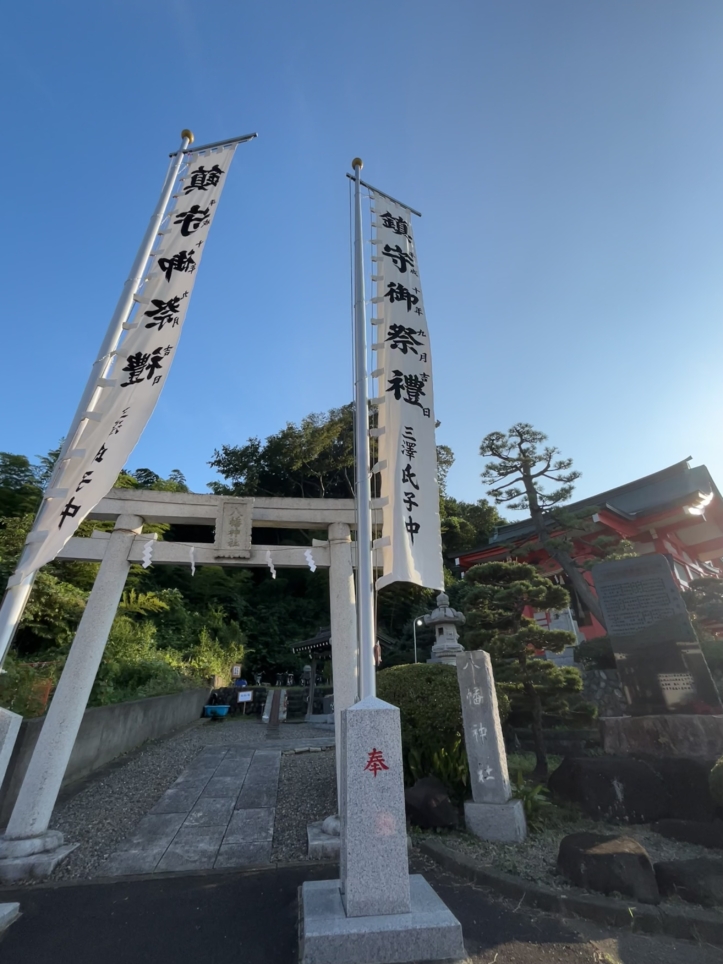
x: 251, y: 917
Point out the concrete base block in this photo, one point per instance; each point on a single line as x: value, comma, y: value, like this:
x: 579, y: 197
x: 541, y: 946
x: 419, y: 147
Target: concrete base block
x: 322, y: 846
x: 430, y: 932
x: 33, y: 866
x: 25, y: 846
x: 504, y: 822
x: 8, y: 913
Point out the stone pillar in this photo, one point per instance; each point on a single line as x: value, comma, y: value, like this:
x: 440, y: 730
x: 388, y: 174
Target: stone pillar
x: 376, y: 911
x: 344, y: 648
x: 28, y: 848
x: 374, y: 865
x: 9, y: 729
x: 312, y: 690
x: 491, y: 814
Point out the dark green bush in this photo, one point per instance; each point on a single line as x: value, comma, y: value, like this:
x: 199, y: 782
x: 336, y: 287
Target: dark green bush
x: 595, y: 653
x: 427, y: 695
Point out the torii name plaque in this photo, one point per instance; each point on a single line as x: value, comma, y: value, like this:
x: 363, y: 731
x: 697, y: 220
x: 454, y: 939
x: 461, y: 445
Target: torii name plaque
x: 233, y: 528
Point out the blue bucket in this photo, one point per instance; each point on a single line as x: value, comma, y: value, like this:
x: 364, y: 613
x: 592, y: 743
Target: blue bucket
x: 215, y: 712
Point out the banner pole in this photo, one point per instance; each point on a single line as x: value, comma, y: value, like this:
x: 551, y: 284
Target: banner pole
x: 17, y: 595
x: 365, y: 572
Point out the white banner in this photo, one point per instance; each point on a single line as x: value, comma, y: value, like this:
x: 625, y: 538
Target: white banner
x: 129, y: 394
x: 411, y: 542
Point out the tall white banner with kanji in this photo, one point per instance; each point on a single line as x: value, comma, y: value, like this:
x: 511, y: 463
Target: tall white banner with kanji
x: 142, y: 363
x: 411, y: 541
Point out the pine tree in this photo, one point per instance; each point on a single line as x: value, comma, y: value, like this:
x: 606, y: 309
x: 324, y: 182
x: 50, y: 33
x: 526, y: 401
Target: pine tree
x: 517, y: 479
x: 494, y: 605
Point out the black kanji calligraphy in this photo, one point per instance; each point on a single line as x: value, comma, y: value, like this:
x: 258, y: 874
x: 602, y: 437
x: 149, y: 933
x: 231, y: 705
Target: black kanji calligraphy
x: 191, y: 220
x: 69, y: 512
x: 404, y: 338
x: 181, y: 261
x: 140, y: 362
x: 410, y: 501
x: 397, y: 292
x: 397, y: 225
x: 202, y: 180
x: 412, y: 528
x: 409, y: 442
x: 409, y: 477
x: 100, y: 453
x: 163, y: 312
x: 115, y: 429
x: 409, y: 388
x: 402, y: 259
x: 86, y: 480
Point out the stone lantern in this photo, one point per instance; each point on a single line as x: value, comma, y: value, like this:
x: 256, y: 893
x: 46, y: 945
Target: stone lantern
x: 445, y: 621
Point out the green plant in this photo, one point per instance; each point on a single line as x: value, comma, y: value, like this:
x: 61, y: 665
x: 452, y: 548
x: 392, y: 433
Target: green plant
x: 535, y: 800
x: 23, y: 687
x: 427, y: 695
x: 715, y: 780
x: 448, y: 764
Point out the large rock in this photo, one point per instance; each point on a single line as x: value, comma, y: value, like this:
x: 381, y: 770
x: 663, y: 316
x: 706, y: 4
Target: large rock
x: 664, y: 735
x: 699, y: 881
x: 688, y: 787
x: 428, y: 805
x: 612, y: 788
x: 608, y: 865
x: 692, y: 831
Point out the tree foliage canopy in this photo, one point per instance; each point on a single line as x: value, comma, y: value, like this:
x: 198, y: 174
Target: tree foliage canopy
x: 497, y: 595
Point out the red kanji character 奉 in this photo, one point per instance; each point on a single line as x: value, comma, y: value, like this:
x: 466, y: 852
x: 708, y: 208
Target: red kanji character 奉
x: 375, y: 763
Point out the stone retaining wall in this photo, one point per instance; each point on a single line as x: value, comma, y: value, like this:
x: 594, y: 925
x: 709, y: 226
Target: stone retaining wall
x: 602, y: 687
x: 105, y: 733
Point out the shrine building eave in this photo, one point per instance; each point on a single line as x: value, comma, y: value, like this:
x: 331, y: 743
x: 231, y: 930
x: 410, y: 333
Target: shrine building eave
x: 679, y: 503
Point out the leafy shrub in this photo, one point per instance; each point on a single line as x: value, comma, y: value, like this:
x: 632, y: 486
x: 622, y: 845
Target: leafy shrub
x: 715, y: 780
x: 448, y: 764
x: 23, y: 688
x: 427, y: 695
x: 535, y: 800
x: 595, y: 653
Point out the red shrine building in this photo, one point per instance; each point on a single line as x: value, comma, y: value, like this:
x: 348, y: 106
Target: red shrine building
x: 677, y: 512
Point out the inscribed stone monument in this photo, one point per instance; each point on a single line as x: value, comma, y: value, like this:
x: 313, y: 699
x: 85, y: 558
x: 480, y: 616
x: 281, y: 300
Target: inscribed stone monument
x: 661, y: 666
x: 491, y: 814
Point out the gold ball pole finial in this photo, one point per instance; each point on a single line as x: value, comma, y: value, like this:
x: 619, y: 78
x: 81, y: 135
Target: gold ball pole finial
x: 357, y: 163
x: 189, y: 134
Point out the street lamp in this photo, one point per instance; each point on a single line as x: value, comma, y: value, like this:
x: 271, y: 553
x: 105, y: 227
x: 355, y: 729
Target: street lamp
x: 418, y: 621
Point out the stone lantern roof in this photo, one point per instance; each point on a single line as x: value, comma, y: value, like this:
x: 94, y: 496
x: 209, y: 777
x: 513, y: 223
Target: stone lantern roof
x: 444, y: 613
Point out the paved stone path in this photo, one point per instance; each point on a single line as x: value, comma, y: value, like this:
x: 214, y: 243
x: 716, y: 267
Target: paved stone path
x: 218, y: 814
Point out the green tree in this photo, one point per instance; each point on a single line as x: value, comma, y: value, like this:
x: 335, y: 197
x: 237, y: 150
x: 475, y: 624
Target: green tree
x: 314, y: 459
x: 495, y: 602
x: 704, y: 601
x: 517, y: 478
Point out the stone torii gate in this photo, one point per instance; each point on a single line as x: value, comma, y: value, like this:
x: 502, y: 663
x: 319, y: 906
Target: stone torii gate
x: 28, y: 848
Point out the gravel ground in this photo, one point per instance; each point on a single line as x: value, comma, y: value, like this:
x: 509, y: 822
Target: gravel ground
x: 307, y: 792
x: 536, y: 859
x: 107, y: 809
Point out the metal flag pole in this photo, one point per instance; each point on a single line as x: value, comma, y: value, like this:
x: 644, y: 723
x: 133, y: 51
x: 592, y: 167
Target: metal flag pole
x: 18, y: 592
x: 365, y: 571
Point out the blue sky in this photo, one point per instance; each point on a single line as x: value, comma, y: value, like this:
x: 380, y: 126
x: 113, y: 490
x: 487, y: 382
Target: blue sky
x: 566, y: 155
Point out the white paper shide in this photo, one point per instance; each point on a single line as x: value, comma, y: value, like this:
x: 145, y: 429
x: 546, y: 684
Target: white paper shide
x: 407, y: 461
x: 127, y: 397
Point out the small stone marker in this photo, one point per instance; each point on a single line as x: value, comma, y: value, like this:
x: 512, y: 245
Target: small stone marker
x: 491, y: 814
